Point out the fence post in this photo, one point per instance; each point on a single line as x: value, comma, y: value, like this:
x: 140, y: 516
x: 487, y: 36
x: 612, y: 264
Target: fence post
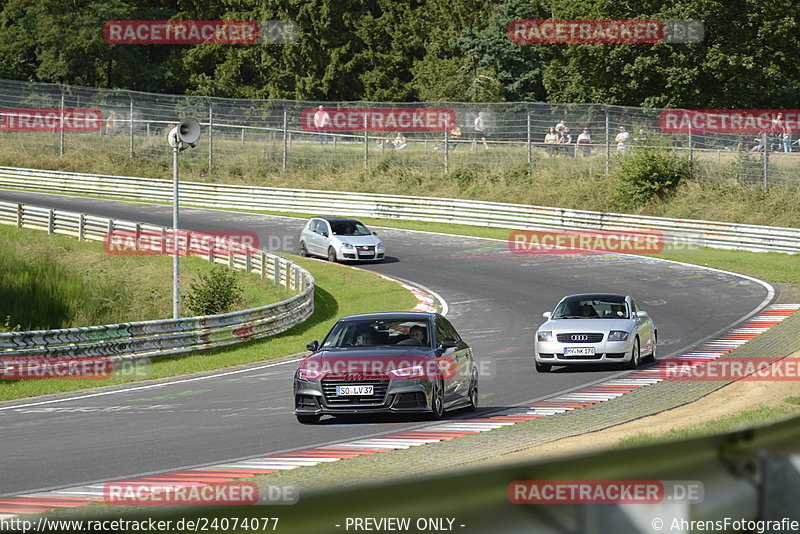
x: 263, y: 265
x: 277, y: 270
x: 765, y: 141
x: 691, y: 152
x: 210, y: 137
x: 285, y: 139
x: 608, y: 141
x: 137, y: 235
x: 51, y: 221
x: 81, y: 225
x: 366, y: 144
x: 20, y: 213
x: 61, y: 126
x: 528, y: 127
x: 130, y: 121
x: 446, y: 151
x: 242, y: 136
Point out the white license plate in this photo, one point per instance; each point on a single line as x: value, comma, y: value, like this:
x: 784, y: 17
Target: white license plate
x: 347, y: 391
x: 579, y: 351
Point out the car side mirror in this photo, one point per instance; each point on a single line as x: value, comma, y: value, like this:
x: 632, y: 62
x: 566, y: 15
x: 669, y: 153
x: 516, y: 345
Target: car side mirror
x: 324, y: 234
x: 643, y: 314
x: 448, y: 343
x: 374, y: 233
x: 547, y: 315
x: 313, y: 346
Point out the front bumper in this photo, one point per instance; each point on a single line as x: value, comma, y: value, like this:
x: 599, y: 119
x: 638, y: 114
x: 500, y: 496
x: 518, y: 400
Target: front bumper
x: 552, y: 352
x: 314, y: 397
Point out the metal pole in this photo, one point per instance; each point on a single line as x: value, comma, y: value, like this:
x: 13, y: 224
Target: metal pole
x: 530, y: 160
x: 691, y: 152
x: 130, y: 150
x: 285, y: 140
x: 366, y: 144
x: 242, y: 136
x: 176, y: 303
x: 61, y: 123
x: 765, y: 141
x: 210, y: 138
x: 608, y: 141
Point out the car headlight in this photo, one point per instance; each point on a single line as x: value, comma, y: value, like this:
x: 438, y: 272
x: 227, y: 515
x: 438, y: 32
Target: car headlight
x: 544, y: 335
x: 380, y: 246
x: 414, y: 371
x: 309, y: 374
x: 347, y: 246
x: 617, y: 335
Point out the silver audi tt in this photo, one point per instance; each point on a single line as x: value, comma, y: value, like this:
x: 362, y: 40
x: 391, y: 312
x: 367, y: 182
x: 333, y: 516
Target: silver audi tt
x: 595, y: 328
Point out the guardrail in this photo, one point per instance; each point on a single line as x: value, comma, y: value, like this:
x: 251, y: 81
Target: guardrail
x: 470, y: 212
x: 749, y: 477
x: 135, y: 340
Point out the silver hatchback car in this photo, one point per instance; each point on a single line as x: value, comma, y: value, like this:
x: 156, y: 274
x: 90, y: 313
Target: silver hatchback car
x: 340, y: 239
x: 595, y: 328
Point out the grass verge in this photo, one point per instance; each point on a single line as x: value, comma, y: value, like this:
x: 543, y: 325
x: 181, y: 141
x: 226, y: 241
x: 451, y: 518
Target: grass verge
x: 55, y: 281
x: 757, y: 416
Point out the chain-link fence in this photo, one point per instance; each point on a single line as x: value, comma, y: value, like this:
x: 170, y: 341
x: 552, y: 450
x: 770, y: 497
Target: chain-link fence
x: 436, y: 137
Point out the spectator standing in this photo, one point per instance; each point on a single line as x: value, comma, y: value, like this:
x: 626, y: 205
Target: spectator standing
x: 400, y: 141
x: 560, y: 126
x: 566, y: 142
x: 641, y: 139
x: 622, y: 140
x: 551, y: 138
x: 583, y: 142
x: 322, y: 122
x: 479, y: 132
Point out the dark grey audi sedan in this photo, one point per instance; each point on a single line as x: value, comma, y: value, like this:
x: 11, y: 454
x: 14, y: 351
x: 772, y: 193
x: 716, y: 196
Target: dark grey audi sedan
x: 398, y: 362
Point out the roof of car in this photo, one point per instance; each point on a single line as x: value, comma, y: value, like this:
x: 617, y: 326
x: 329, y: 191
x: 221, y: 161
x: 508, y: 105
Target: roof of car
x: 595, y: 296
x: 402, y: 316
x: 337, y: 219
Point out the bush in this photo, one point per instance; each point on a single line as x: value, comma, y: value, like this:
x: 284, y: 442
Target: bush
x: 216, y: 292
x: 648, y: 173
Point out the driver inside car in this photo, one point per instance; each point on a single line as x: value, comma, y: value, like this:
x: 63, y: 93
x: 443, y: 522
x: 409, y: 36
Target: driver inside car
x: 416, y: 336
x: 365, y: 338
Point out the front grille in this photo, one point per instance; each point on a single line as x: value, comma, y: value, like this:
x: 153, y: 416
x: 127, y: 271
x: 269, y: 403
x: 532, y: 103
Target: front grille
x: 592, y: 357
x: 410, y: 400
x: 376, y: 399
x: 366, y: 250
x: 579, y: 337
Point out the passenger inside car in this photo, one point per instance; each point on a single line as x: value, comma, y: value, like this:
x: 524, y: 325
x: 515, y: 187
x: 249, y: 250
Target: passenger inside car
x: 588, y: 310
x: 416, y: 336
x: 618, y: 310
x: 365, y: 338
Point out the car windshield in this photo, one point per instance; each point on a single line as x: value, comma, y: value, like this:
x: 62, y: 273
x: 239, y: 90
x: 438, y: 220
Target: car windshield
x: 349, y: 228
x: 591, y: 309
x: 378, y: 333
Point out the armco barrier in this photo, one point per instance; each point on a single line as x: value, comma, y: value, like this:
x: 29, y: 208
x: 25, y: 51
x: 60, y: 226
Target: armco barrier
x: 470, y: 212
x: 161, y: 337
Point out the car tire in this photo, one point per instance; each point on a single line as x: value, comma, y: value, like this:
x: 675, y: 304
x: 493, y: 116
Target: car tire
x: 331, y: 254
x: 303, y: 249
x: 473, y: 394
x: 543, y: 367
x: 437, y: 401
x: 308, y: 419
x: 636, y: 355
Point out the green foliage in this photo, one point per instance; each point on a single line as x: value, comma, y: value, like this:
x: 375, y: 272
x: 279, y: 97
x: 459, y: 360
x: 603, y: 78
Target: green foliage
x: 216, y: 292
x: 437, y: 50
x: 647, y: 173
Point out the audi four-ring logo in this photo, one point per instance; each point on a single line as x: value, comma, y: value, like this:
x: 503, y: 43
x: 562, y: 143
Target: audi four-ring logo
x: 581, y: 337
